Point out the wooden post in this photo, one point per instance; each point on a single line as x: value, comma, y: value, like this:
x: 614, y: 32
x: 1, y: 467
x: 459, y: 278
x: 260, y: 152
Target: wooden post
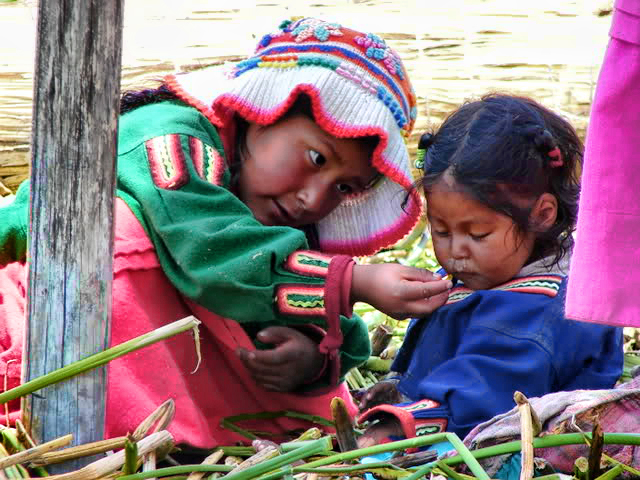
x: 77, y: 86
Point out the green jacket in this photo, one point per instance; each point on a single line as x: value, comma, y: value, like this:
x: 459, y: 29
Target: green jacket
x: 172, y: 174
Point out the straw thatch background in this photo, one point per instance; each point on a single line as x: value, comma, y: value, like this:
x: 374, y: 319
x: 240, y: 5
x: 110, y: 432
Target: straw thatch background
x: 454, y: 49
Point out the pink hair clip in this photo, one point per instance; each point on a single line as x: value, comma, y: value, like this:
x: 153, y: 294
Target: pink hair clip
x: 557, y: 158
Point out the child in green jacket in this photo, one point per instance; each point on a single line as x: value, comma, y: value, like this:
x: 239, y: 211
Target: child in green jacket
x: 244, y: 192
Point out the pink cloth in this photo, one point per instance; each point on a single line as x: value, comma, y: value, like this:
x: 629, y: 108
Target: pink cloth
x: 604, y: 279
x: 13, y: 287
x: 139, y: 382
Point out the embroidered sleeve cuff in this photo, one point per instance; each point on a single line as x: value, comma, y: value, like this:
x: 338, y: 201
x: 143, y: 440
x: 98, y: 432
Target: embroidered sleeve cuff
x: 300, y: 299
x: 328, y: 301
x: 335, y: 270
x: 405, y: 418
x: 308, y: 263
x: 411, y: 426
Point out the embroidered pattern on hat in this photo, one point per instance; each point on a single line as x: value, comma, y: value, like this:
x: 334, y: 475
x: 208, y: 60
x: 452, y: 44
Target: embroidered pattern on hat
x: 308, y: 263
x: 376, y: 80
x: 313, y: 27
x: 300, y: 300
x: 349, y: 71
x: 375, y: 47
x: 540, y: 284
x: 207, y: 161
x: 167, y: 162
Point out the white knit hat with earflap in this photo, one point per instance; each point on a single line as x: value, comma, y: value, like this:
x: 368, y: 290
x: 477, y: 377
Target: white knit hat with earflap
x: 357, y: 86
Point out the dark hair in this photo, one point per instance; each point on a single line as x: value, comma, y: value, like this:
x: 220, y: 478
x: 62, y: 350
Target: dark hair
x: 133, y: 99
x: 498, y: 148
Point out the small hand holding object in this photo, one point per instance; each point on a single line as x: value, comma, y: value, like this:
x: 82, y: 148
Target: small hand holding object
x: 382, y: 393
x: 293, y: 361
x: 398, y: 290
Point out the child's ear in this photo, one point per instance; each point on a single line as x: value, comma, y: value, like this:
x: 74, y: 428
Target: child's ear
x: 544, y: 212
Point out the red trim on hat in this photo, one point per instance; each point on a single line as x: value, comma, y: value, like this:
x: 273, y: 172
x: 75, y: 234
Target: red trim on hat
x: 326, y: 122
x: 173, y: 84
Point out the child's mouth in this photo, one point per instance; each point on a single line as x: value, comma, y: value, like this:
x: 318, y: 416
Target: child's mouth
x: 464, y: 276
x: 283, y: 215
x: 457, y: 266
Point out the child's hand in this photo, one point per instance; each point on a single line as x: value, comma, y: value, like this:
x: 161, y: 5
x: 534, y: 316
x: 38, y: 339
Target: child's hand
x: 294, y: 360
x: 398, y: 290
x: 376, y: 433
x: 381, y: 393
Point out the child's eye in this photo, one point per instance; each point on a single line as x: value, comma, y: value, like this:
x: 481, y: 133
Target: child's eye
x: 478, y: 237
x: 441, y: 233
x: 317, y: 159
x: 344, y: 189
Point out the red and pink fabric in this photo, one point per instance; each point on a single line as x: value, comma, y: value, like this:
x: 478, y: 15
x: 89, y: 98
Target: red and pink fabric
x: 139, y: 382
x: 605, y: 268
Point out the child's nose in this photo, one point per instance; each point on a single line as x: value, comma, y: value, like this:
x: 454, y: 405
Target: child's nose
x: 458, y: 247
x: 319, y: 199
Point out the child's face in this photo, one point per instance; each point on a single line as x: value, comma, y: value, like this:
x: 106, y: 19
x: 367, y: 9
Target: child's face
x: 294, y: 173
x: 474, y: 243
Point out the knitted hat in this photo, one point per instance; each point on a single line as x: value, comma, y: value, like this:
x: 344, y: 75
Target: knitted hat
x: 357, y: 86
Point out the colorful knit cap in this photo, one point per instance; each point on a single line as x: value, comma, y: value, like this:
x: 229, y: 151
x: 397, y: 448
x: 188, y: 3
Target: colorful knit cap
x: 357, y: 86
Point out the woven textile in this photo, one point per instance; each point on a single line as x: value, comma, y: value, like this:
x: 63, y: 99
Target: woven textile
x: 616, y: 410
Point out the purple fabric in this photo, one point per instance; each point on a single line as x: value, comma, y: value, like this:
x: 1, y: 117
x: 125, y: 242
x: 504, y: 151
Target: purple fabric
x: 604, y: 279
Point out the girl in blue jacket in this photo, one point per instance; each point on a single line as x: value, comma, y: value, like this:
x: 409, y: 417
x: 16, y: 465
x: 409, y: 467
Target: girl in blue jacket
x: 500, y: 179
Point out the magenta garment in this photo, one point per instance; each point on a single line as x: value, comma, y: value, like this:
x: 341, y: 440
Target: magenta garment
x: 604, y: 280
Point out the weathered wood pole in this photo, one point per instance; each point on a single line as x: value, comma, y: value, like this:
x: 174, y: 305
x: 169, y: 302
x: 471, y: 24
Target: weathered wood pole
x: 77, y: 85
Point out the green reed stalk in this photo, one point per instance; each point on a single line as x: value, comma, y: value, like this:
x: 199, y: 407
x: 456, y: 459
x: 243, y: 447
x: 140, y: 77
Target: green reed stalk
x: 100, y: 358
x: 540, y: 442
x: 165, y: 472
x: 452, y: 438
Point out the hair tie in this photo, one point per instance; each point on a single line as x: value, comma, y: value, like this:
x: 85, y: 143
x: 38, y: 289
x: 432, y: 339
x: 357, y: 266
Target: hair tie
x: 425, y: 142
x: 556, y: 156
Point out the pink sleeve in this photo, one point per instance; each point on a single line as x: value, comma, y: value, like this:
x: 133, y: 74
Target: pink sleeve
x: 605, y: 269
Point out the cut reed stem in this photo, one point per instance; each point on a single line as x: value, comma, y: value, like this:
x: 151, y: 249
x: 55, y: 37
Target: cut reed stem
x: 100, y: 358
